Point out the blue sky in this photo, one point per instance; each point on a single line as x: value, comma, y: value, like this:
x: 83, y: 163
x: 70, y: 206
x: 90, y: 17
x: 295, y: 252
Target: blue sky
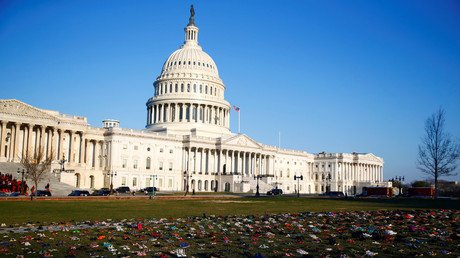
x: 335, y: 76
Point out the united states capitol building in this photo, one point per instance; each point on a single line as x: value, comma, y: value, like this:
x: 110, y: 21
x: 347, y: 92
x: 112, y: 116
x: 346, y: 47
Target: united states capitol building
x: 186, y: 142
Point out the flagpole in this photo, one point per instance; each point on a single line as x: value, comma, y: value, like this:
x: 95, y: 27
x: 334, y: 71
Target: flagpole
x: 279, y: 140
x: 239, y: 111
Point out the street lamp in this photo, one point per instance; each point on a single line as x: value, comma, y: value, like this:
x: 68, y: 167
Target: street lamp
x: 153, y: 177
x: 398, y: 180
x: 111, y: 174
x: 298, y: 178
x: 62, y: 162
x: 257, y: 187
x: 22, y: 179
x: 187, y: 177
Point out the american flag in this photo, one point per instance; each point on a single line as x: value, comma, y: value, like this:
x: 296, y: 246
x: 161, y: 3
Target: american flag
x: 237, y: 109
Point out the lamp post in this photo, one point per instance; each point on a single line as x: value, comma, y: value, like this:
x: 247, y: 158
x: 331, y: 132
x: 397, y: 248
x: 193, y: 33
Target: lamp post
x: 62, y: 162
x: 111, y: 174
x: 187, y: 178
x: 257, y: 187
x: 298, y: 178
x: 398, y: 180
x: 22, y: 179
x: 153, y: 177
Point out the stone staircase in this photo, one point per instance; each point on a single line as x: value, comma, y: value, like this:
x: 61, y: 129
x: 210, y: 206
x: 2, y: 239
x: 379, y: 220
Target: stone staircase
x: 57, y: 188
x: 264, y: 187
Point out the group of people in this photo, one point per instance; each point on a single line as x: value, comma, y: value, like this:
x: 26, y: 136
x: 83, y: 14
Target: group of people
x: 8, y: 184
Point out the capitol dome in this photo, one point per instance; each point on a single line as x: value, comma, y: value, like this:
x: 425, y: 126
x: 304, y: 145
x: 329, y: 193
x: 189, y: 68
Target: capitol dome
x: 189, y: 58
x: 189, y: 94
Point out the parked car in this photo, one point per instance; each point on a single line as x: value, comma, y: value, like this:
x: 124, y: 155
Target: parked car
x: 79, y: 193
x: 14, y: 194
x: 101, y: 192
x: 3, y: 194
x: 333, y: 194
x: 149, y: 190
x: 42, y: 193
x: 123, y: 189
x: 275, y: 191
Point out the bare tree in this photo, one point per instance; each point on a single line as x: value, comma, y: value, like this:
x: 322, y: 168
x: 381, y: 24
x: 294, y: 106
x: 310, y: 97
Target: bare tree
x: 438, y: 153
x: 37, y: 165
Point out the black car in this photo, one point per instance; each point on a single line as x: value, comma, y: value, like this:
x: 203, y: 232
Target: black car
x: 79, y: 193
x: 333, y: 194
x: 275, y: 191
x: 123, y: 189
x: 101, y: 192
x: 42, y: 193
x: 149, y: 190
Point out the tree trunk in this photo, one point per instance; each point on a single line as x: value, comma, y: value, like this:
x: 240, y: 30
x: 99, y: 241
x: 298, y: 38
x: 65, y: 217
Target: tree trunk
x: 436, y: 185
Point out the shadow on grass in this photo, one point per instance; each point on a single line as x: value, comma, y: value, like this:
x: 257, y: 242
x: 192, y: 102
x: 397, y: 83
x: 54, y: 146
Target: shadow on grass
x: 403, y: 203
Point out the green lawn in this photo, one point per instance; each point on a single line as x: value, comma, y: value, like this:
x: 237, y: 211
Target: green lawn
x: 14, y: 212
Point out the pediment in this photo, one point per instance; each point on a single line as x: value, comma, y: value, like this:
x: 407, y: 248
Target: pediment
x: 18, y: 108
x: 372, y: 157
x: 242, y: 140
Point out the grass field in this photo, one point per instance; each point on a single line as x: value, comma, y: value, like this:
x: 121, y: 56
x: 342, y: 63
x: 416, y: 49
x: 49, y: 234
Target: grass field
x: 18, y: 212
x: 261, y: 227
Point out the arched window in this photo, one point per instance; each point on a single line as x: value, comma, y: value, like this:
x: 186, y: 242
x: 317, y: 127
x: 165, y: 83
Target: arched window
x: 201, y: 88
x: 199, y: 185
x: 194, y: 113
x: 187, y: 113
x: 194, y: 88
x: 182, y: 87
x: 206, y: 89
x: 148, y: 163
x: 170, y: 88
x: 206, y: 185
x: 188, y: 87
x: 176, y: 87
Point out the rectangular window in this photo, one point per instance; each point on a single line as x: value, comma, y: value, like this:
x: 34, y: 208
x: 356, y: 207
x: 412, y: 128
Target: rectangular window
x: 147, y: 163
x: 136, y: 147
x: 170, y: 166
x: 135, y: 163
x: 161, y: 166
x: 125, y: 146
x: 170, y: 151
x: 123, y: 181
x: 135, y: 182
x: 160, y: 182
x: 161, y: 149
x: 170, y: 183
x: 125, y: 162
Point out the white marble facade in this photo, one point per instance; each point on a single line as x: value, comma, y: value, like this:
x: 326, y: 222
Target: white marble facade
x: 187, y: 137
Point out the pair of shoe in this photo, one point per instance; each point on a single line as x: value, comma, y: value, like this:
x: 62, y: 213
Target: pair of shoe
x: 180, y: 252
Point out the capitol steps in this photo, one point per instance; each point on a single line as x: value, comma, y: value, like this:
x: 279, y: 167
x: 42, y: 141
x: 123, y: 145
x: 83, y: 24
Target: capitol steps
x: 57, y: 188
x: 263, y: 186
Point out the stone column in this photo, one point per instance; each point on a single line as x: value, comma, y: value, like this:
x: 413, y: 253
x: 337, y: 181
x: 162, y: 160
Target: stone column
x: 194, y: 160
x: 201, y: 165
x: 2, y: 140
x: 41, y: 139
x: 230, y: 164
x: 17, y: 127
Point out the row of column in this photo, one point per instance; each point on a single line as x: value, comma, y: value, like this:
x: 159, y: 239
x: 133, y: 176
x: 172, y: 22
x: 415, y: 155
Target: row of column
x: 161, y: 89
x: 362, y: 172
x: 18, y: 140
x: 187, y: 112
x: 203, y: 160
